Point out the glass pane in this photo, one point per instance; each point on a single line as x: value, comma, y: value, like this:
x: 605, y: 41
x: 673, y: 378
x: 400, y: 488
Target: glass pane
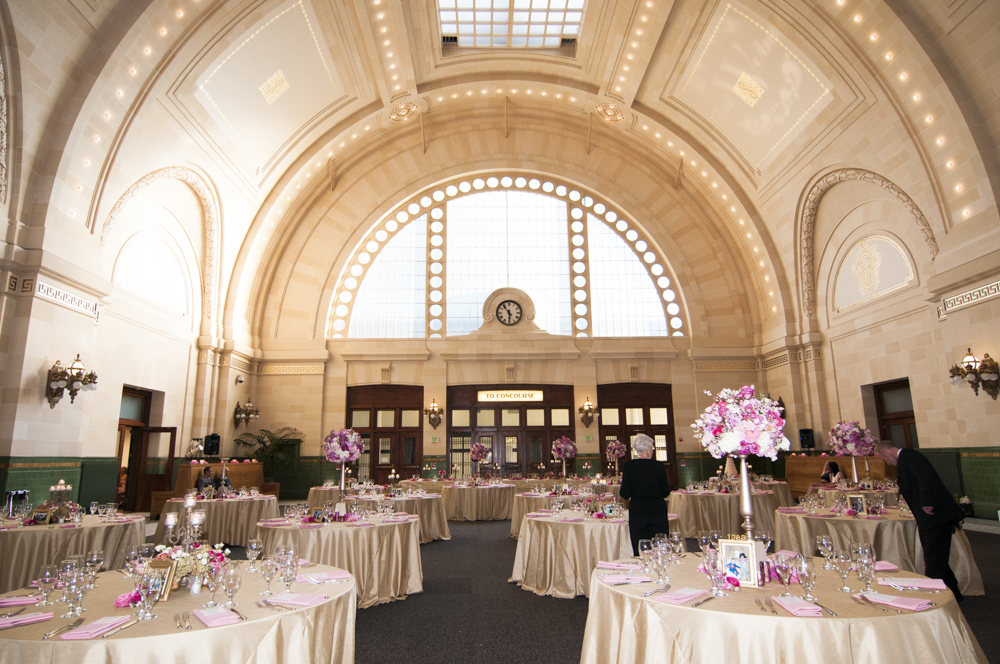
x: 560, y: 417
x: 609, y: 417
x: 157, y: 453
x: 364, y: 462
x: 510, y: 417
x: 897, y: 435
x: 535, y: 417
x: 409, y: 418
x: 913, y: 435
x: 484, y: 417
x: 384, y: 450
x: 658, y: 416
x: 537, y: 453
x: 385, y: 418
x: 131, y: 408
x: 633, y: 416
x: 460, y: 455
x: 491, y: 27
x: 510, y: 448
x: 125, y: 442
x: 487, y: 441
x: 409, y: 450
x: 460, y: 418
x: 361, y: 419
x: 896, y: 401
x: 661, y: 447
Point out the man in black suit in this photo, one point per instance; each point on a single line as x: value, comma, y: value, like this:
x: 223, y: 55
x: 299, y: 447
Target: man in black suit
x: 206, y: 480
x: 644, y: 484
x: 936, y: 512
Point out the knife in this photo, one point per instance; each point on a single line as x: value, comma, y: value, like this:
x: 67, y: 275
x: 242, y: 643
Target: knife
x: 824, y: 608
x: 707, y: 599
x: 115, y: 631
x: 242, y: 617
x: 14, y: 613
x: 73, y: 625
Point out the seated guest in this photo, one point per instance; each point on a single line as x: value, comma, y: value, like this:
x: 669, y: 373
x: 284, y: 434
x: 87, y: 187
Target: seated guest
x: 831, y: 473
x: 644, y: 482
x: 206, y: 480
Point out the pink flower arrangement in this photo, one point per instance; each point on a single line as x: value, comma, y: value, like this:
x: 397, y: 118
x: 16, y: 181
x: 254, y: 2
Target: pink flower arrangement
x: 737, y: 422
x: 563, y: 448
x: 442, y: 474
x: 342, y: 446
x: 479, y: 452
x: 615, y: 449
x: 246, y: 460
x: 128, y: 599
x: 849, y: 439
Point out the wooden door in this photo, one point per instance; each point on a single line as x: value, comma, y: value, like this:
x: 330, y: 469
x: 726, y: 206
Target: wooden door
x: 156, y: 463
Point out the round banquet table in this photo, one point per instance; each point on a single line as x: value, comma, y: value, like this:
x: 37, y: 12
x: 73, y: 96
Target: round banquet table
x: 830, y: 494
x: 430, y: 486
x: 320, y: 633
x: 895, y: 539
x: 429, y: 507
x: 781, y: 492
x: 556, y: 554
x: 622, y: 626
x: 229, y: 520
x: 489, y: 503
x: 23, y: 551
x: 319, y: 495
x: 720, y: 511
x: 383, y: 557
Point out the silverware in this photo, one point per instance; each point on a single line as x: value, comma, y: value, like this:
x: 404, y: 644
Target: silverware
x: 871, y: 603
x: 187, y: 620
x: 770, y: 605
x: 177, y: 619
x: 822, y: 607
x: 923, y: 590
x: 316, y: 583
x: 14, y: 613
x: 759, y: 605
x: 267, y: 606
x: 73, y: 625
x: 707, y: 599
x: 115, y: 631
x: 274, y: 606
x: 241, y: 616
x: 665, y: 588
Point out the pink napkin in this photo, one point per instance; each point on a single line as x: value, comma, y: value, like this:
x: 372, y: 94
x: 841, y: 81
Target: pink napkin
x: 873, y: 518
x: 297, y: 599
x: 928, y: 584
x: 798, y: 607
x: 24, y: 619
x: 96, y: 628
x: 533, y: 516
x: 885, y: 566
x: 619, y: 579
x: 573, y: 520
x: 359, y: 524
x: 791, y: 510
x: 69, y: 525
x: 679, y: 596
x: 605, y: 564
x: 671, y: 516
x: 396, y: 519
x: 278, y: 520
x: 217, y: 616
x: 310, y: 526
x: 406, y: 514
x: 908, y: 603
x: 302, y: 561
x: 20, y: 601
x: 824, y: 516
x: 323, y: 576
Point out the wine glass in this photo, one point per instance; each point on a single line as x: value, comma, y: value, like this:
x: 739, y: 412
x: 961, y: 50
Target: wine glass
x: 94, y: 561
x: 718, y: 571
x: 268, y: 568
x: 645, y: 553
x: 783, y: 566
x: 48, y: 575
x: 289, y: 571
x: 212, y: 577
x: 231, y: 580
x: 102, y: 509
x: 254, y: 548
x: 148, y: 587
x: 806, y: 569
x: 866, y: 572
x: 842, y: 561
x: 93, y: 508
x: 72, y: 595
x: 825, y: 547
x: 132, y: 560
x: 677, y: 543
x: 704, y: 540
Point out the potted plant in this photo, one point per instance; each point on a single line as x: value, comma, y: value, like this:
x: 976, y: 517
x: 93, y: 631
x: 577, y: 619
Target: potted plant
x: 270, y: 448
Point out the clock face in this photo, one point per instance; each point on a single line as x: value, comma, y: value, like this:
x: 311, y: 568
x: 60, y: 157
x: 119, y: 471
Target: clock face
x: 509, y: 312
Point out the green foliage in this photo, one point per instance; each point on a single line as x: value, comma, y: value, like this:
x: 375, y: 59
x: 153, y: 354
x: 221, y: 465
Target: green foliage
x: 271, y: 448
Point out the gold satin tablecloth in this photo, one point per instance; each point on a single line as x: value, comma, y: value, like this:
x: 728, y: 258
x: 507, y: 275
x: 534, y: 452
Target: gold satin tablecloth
x: 829, y: 495
x: 318, y: 495
x: 430, y: 486
x: 781, y: 492
x: 229, y: 520
x: 323, y: 633
x: 23, y: 551
x: 895, y: 539
x: 622, y: 627
x: 720, y: 511
x: 433, y: 519
x: 556, y: 558
x: 492, y: 503
x: 384, y: 558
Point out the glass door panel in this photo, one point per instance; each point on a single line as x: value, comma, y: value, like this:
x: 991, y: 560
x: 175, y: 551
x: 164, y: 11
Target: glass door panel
x: 458, y: 455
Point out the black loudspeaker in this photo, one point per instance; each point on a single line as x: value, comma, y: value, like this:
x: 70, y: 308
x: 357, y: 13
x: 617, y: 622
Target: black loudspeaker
x: 806, y: 440
x: 212, y: 441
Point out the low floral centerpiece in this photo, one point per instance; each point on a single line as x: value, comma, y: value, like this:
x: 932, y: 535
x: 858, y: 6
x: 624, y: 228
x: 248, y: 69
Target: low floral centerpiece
x: 849, y: 439
x: 342, y: 447
x: 563, y: 448
x: 615, y: 450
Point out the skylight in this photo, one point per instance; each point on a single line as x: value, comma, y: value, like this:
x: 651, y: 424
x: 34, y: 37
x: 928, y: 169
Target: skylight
x: 510, y: 23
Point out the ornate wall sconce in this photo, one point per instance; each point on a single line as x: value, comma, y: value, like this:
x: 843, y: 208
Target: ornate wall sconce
x: 74, y: 378
x: 985, y: 374
x: 586, y: 413
x: 434, y: 412
x: 244, y: 413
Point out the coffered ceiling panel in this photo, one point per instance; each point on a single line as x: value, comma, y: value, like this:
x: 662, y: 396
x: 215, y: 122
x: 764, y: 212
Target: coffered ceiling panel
x: 748, y: 81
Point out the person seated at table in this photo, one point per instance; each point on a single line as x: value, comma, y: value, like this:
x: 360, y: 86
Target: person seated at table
x: 644, y: 483
x: 831, y: 473
x: 206, y: 480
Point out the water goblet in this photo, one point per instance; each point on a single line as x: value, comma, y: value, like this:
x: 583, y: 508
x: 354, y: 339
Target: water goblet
x: 704, y: 540
x: 212, y: 577
x: 132, y: 560
x: 289, y: 571
x: 254, y: 548
x: 231, y: 580
x: 866, y: 572
x: 48, y: 575
x: 72, y: 595
x: 783, y: 566
x: 645, y: 553
x: 93, y: 508
x: 677, y: 544
x: 719, y: 576
x: 842, y: 562
x: 825, y: 548
x: 807, y: 576
x: 102, y: 509
x: 148, y: 587
x: 268, y: 568
x: 93, y: 561
x: 112, y: 509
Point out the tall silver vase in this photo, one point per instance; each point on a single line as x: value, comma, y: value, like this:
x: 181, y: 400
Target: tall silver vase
x: 746, y: 498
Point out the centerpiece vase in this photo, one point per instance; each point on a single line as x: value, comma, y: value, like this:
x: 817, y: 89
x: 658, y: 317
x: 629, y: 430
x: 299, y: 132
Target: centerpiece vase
x: 854, y: 468
x: 616, y: 466
x: 868, y: 470
x: 564, y: 467
x: 746, y: 498
x: 342, y: 478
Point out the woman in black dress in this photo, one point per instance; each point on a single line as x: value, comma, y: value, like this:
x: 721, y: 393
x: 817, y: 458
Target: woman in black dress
x: 644, y: 484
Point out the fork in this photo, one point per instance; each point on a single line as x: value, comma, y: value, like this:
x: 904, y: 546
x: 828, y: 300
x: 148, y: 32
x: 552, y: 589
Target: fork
x: 274, y: 606
x: 177, y: 619
x: 759, y: 605
x: 868, y: 601
x: 187, y: 620
x: 267, y: 606
x: 770, y: 605
x: 665, y: 588
x: 923, y: 590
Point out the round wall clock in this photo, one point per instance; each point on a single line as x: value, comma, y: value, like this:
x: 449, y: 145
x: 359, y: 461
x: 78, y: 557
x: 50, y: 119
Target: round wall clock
x: 509, y: 312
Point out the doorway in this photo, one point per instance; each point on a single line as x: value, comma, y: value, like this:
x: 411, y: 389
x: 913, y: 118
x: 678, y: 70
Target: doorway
x: 628, y: 409
x: 145, y: 453
x: 388, y: 419
x: 896, y: 421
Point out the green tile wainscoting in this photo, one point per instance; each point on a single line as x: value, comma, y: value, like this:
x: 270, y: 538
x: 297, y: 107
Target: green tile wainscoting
x: 433, y: 463
x: 92, y: 478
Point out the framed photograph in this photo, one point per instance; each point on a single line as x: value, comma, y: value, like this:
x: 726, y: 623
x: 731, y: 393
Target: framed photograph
x: 741, y: 558
x: 857, y: 502
x: 164, y: 570
x: 608, y: 509
x: 41, y: 516
x: 319, y: 515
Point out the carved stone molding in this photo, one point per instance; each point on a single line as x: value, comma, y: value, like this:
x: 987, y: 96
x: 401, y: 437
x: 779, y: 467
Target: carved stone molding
x: 293, y: 369
x: 212, y: 214
x: 746, y: 365
x: 808, y: 225
x: 3, y: 131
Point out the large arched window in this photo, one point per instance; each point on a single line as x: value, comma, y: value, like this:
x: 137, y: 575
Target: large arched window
x: 427, y: 267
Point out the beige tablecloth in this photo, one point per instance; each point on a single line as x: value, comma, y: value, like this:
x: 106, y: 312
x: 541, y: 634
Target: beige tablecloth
x: 321, y: 633
x: 895, y: 539
x: 23, y: 551
x: 781, y: 492
x: 318, y: 495
x: 556, y: 557
x: 478, y: 503
x: 433, y: 519
x: 230, y: 520
x: 720, y: 511
x: 430, y: 486
x: 384, y: 558
x: 829, y: 495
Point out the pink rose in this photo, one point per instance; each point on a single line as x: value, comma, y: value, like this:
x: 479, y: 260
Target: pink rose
x: 125, y: 600
x: 246, y: 460
x: 849, y: 512
x: 194, y: 462
x: 253, y: 460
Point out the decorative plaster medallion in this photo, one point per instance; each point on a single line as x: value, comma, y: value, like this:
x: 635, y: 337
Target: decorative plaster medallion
x: 274, y: 87
x: 865, y: 269
x: 747, y: 89
x: 609, y: 112
x: 403, y: 112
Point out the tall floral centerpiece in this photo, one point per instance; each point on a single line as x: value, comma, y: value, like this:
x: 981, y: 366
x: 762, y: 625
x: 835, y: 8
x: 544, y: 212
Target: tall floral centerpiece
x: 340, y: 447
x: 563, y: 448
x: 615, y: 450
x: 849, y: 439
x: 740, y: 424
x: 479, y: 453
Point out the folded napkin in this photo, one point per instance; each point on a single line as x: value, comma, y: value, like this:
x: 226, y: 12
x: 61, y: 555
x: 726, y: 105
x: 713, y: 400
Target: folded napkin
x: 297, y: 599
x: 873, y: 518
x: 359, y: 524
x: 679, y: 596
x: 20, y: 601
x: 928, y: 584
x: 573, y: 519
x: 605, y: 564
x: 533, y: 515
x: 908, y: 603
x: 309, y: 526
x: 886, y: 566
x: 8, y: 528
x: 824, y: 516
x: 396, y: 519
x: 24, y: 619
x: 791, y: 510
x: 407, y: 514
x: 762, y: 491
x: 96, y: 628
x: 323, y: 576
x: 798, y: 607
x: 303, y: 561
x: 69, y: 525
x: 619, y: 579
x: 672, y: 516
x: 217, y: 616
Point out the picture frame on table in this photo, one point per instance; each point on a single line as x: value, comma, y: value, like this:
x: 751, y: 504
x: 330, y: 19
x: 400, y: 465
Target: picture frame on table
x: 41, y: 516
x: 608, y: 509
x: 318, y: 515
x: 741, y: 558
x: 858, y: 503
x: 165, y: 570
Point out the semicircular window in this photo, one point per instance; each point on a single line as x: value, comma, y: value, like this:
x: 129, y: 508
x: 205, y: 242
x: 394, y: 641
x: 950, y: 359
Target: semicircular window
x: 875, y: 266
